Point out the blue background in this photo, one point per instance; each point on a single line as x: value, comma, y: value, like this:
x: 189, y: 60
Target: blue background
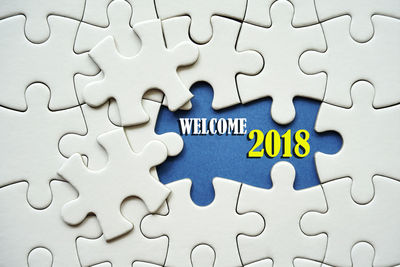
x: 207, y: 156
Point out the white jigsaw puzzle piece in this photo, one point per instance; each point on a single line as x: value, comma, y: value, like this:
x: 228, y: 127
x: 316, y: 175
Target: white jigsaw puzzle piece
x: 200, y: 12
x: 126, y: 79
x: 218, y: 62
x: 97, y: 123
x: 258, y: 12
x: 37, y: 12
x: 282, y: 223
x: 23, y: 63
x: 281, y: 77
x: 361, y: 27
x: 23, y: 228
x: 29, y: 143
x: 347, y: 223
x: 347, y: 61
x: 126, y: 174
x: 220, y: 233
x: 365, y: 151
x: 128, y: 248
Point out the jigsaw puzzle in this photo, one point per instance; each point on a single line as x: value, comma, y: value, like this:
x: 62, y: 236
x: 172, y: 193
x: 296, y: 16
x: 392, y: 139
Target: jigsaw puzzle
x: 186, y: 133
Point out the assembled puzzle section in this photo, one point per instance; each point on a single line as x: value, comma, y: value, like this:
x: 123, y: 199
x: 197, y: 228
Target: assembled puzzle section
x: 82, y: 83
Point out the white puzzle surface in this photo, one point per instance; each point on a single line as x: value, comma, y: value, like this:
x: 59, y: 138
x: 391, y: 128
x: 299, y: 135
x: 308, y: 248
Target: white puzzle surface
x: 82, y: 83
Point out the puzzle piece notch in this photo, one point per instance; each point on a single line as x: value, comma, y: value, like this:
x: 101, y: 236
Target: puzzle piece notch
x: 365, y: 152
x: 347, y: 223
x: 127, y: 249
x: 219, y: 62
x: 140, y: 135
x: 126, y: 174
x: 33, y: 63
x: 131, y: 77
x: 203, y: 256
x: 40, y: 257
x: 96, y: 12
x: 200, y: 13
x: 361, y: 27
x: 281, y: 78
x: 23, y: 228
x: 347, y: 61
x: 282, y: 223
x: 220, y: 233
x: 30, y: 143
x: 258, y: 13
x: 126, y: 40
x: 362, y: 255
x: 37, y: 12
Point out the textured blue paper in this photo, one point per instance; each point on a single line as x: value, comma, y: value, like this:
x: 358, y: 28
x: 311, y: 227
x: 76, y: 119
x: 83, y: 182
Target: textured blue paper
x: 206, y: 157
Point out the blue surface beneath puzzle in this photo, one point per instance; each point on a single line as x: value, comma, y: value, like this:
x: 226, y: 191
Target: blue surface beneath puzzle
x: 206, y: 157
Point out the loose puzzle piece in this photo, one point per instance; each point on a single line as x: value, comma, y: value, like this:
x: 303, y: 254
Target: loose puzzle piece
x: 96, y: 12
x: 188, y: 225
x: 126, y: 41
x: 282, y: 208
x: 203, y: 256
x: 126, y: 174
x: 140, y: 135
x: 37, y: 12
x: 200, y: 13
x: 365, y: 152
x: 281, y: 78
x: 128, y: 78
x: 361, y: 27
x: 29, y: 143
x: 127, y: 249
x: 40, y: 257
x: 347, y: 222
x: 97, y: 123
x: 347, y: 61
x: 257, y: 12
x: 40, y: 63
x: 218, y: 62
x: 23, y: 228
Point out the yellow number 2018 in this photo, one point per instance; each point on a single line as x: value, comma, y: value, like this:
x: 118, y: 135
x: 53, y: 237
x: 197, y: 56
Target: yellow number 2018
x: 272, y: 144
